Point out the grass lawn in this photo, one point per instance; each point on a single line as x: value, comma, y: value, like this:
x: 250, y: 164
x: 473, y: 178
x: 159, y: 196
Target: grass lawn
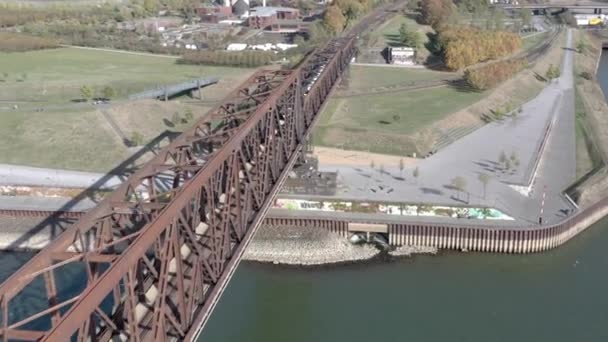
x: 57, y: 75
x: 388, y: 33
x: 366, y: 77
x: 76, y: 136
x: 386, y: 123
x: 69, y: 140
x: 533, y: 40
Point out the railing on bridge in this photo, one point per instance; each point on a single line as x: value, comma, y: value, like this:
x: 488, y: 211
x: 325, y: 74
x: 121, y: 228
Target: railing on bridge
x: 159, y: 251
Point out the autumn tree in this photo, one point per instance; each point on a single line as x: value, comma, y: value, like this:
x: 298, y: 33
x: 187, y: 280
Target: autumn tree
x: 333, y: 20
x: 465, y: 46
x: 436, y: 12
x: 351, y: 9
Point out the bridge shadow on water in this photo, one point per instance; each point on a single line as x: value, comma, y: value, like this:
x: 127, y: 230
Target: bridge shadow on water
x: 60, y: 220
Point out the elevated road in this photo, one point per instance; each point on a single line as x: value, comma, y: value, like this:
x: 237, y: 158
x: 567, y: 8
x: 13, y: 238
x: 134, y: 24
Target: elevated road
x: 586, y: 5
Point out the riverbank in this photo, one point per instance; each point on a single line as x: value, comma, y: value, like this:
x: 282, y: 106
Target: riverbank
x: 304, y: 246
x: 309, y: 246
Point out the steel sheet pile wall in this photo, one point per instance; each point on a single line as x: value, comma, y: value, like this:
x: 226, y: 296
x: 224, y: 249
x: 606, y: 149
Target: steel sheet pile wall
x: 525, y: 239
x: 159, y: 251
x: 491, y: 238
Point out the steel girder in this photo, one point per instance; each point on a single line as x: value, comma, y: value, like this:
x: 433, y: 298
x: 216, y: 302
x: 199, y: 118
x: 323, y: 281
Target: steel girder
x: 159, y: 251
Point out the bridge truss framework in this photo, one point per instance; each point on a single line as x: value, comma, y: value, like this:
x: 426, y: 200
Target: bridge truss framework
x: 158, y: 252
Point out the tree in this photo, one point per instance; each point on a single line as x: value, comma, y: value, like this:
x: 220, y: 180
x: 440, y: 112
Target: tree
x: 552, y: 72
x: 502, y: 158
x: 351, y: 9
x: 409, y: 37
x: 151, y: 6
x: 416, y: 173
x: 484, y: 178
x: 580, y: 46
x: 526, y: 16
x: 334, y: 20
x: 86, y: 92
x: 108, y: 92
x: 436, y: 12
x: 137, y: 138
x: 189, y: 115
x: 176, y: 118
x: 459, y: 184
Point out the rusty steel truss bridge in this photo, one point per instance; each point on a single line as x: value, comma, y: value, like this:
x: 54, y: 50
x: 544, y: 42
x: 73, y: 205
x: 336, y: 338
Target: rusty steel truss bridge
x: 159, y: 251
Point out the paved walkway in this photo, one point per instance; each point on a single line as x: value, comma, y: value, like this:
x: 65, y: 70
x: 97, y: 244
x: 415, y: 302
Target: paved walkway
x: 546, y: 122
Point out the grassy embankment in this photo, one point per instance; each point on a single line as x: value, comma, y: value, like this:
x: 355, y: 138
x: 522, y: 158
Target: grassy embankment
x: 591, y: 121
x: 417, y: 121
x: 76, y: 136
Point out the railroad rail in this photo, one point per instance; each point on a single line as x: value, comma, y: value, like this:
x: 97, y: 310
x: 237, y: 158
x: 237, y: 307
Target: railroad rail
x: 159, y: 251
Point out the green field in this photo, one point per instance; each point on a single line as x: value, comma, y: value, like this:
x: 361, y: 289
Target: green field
x: 76, y: 135
x: 387, y: 122
x: 57, y: 75
x: 364, y: 77
x: 534, y: 40
x: 70, y: 140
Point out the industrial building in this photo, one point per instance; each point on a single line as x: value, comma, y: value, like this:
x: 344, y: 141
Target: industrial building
x: 272, y: 17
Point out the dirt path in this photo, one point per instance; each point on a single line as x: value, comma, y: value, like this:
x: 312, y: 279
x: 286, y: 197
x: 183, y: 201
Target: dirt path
x: 334, y: 156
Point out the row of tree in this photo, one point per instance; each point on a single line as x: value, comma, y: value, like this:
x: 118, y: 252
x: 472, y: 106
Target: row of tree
x: 490, y: 75
x: 464, y: 46
x: 241, y: 59
x: 14, y: 42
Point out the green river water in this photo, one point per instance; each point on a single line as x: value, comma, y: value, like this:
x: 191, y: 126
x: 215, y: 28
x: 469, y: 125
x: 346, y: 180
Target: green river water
x: 560, y: 295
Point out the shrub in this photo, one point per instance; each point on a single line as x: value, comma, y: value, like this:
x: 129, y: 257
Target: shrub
x: 465, y: 46
x: 490, y: 75
x: 14, y: 42
x: 587, y: 75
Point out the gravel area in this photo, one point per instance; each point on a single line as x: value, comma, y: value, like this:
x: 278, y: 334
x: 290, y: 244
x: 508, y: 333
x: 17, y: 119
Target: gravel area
x: 304, y: 246
x: 407, y: 250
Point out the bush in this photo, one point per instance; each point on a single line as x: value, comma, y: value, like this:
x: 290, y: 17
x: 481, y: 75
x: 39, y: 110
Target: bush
x: 465, y: 46
x: 587, y: 75
x: 490, y: 75
x: 552, y: 72
x: 14, y: 42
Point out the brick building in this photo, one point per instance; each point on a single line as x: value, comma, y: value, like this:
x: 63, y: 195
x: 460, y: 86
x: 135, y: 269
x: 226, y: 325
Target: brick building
x: 267, y: 17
